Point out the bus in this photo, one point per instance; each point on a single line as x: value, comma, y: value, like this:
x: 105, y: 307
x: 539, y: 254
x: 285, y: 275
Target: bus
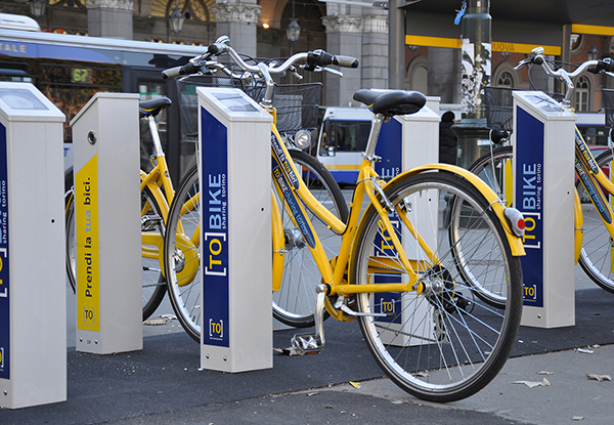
x: 342, y: 139
x: 70, y: 69
x: 343, y: 135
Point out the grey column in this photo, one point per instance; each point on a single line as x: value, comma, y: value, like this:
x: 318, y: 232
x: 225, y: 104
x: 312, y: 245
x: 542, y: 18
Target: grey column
x: 374, y: 67
x: 343, y: 37
x: 110, y: 18
x: 238, y: 20
x: 396, y: 55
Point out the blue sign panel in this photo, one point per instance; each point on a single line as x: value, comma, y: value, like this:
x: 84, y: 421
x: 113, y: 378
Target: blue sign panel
x: 390, y: 149
x: 529, y: 200
x: 214, y: 237
x: 4, y: 261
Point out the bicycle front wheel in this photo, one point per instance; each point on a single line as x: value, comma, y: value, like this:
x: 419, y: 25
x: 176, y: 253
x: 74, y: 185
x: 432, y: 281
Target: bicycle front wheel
x: 182, y: 255
x: 153, y: 284
x: 597, y: 255
x: 294, y: 304
x: 443, y: 344
x: 496, y: 170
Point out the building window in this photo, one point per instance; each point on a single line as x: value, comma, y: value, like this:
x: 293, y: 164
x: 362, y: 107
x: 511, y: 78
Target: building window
x: 505, y: 80
x: 417, y: 75
x: 582, y: 94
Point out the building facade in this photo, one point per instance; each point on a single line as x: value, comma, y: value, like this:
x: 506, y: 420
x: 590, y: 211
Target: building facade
x: 258, y: 28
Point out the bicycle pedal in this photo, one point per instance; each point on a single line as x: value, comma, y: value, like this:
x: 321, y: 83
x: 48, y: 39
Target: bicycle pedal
x: 150, y: 221
x: 305, y: 344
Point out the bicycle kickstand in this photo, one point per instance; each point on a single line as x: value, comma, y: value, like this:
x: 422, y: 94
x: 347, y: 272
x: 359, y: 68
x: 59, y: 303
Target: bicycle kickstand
x: 305, y: 344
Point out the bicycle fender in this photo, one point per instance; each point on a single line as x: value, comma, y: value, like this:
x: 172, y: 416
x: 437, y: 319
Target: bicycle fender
x: 278, y: 244
x: 515, y: 242
x: 578, y: 222
x: 155, y: 191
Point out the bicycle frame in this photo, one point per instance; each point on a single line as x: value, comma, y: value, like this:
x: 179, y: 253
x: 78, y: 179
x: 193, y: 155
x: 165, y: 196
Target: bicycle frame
x: 159, y: 183
x: 590, y: 176
x: 333, y: 272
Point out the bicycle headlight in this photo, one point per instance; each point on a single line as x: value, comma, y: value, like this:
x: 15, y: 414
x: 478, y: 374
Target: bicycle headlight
x: 302, y: 139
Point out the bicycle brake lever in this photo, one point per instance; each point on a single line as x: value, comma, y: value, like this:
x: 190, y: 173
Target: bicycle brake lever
x: 331, y: 70
x: 521, y: 64
x: 295, y: 73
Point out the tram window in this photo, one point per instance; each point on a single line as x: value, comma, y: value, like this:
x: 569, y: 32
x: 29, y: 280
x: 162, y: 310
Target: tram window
x: 344, y: 136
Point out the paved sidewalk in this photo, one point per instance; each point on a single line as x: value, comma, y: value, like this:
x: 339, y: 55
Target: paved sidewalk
x: 161, y: 384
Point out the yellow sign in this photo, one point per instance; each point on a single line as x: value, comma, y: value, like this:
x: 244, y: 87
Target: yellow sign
x: 592, y: 29
x: 496, y: 46
x: 88, y: 270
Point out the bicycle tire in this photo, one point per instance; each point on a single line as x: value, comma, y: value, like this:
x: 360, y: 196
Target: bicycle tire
x: 71, y: 238
x: 184, y: 293
x: 154, y: 285
x: 182, y: 262
x: 596, y: 256
x: 443, y: 344
x: 294, y: 304
x: 493, y: 176
x: 491, y: 168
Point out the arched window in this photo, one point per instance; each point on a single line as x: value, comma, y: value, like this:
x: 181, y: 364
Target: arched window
x: 505, y: 80
x: 504, y: 75
x: 417, y: 75
x: 582, y: 94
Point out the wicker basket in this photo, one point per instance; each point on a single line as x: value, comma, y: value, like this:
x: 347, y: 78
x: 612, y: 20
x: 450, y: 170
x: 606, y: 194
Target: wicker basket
x: 296, y: 104
x: 188, y: 99
x: 499, y: 107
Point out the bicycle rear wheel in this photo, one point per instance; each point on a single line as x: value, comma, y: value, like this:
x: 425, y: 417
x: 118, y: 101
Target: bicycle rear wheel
x: 443, y: 344
x: 597, y: 255
x: 294, y: 304
x: 154, y: 285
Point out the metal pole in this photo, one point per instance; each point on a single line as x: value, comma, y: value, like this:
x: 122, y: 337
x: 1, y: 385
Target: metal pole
x: 475, y: 68
x: 396, y: 45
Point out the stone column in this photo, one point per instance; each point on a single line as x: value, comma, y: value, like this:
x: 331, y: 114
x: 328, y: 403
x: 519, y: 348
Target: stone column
x: 374, y: 66
x: 238, y: 20
x: 110, y: 18
x: 343, y: 37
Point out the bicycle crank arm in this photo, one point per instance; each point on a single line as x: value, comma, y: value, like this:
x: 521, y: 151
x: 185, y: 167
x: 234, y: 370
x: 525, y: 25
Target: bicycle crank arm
x: 353, y: 313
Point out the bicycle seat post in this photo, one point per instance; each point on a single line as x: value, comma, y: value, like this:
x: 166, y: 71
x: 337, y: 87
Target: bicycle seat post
x: 155, y: 137
x: 376, y: 126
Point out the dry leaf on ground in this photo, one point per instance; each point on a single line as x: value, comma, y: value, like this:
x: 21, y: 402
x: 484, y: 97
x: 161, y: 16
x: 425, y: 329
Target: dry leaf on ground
x: 531, y: 384
x: 599, y: 378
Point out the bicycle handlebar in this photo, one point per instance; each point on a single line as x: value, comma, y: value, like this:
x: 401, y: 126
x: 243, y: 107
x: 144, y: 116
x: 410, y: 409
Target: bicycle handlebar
x: 314, y: 62
x: 177, y: 71
x: 595, y: 66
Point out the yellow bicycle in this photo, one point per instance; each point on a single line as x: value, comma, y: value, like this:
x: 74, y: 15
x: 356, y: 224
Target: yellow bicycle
x: 156, y: 196
x: 394, y: 269
x: 593, y: 215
